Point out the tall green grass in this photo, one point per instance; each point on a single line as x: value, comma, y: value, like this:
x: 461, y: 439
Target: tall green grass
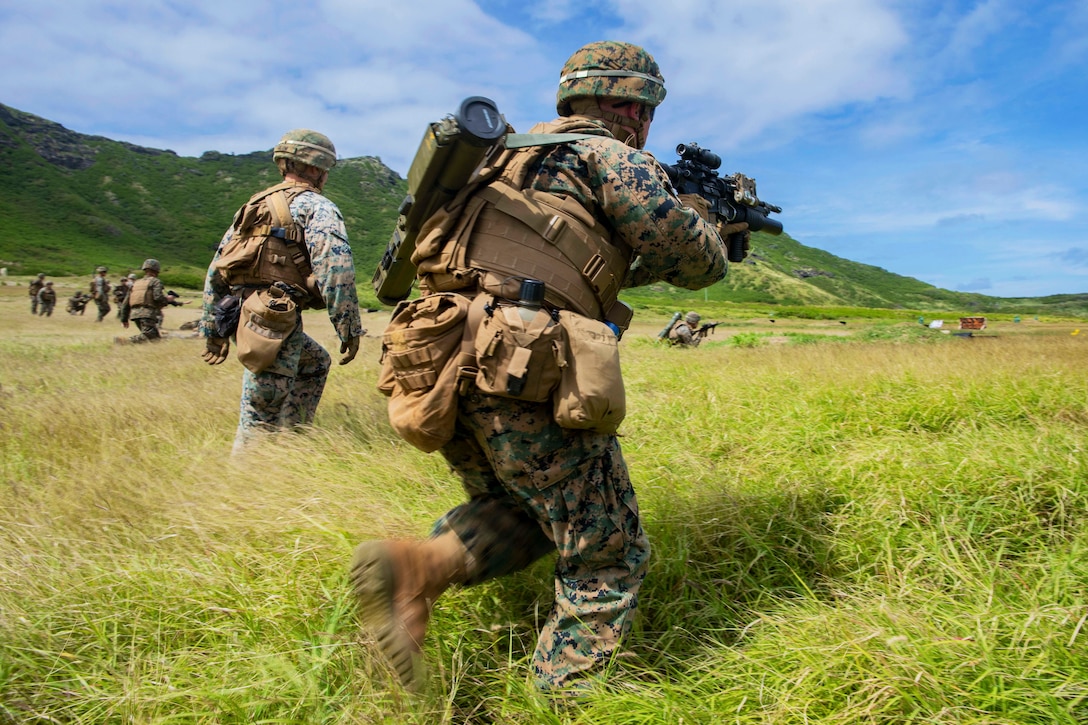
x: 871, y: 531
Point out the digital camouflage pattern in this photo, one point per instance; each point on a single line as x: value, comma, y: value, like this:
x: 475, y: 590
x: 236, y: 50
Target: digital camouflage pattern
x: 308, y: 147
x: 100, y: 292
x: 610, y: 69
x: 36, y: 285
x: 681, y: 334
x: 148, y: 318
x: 534, y: 487
x: 628, y: 190
x: 270, y: 398
x: 47, y: 300
x: 286, y: 396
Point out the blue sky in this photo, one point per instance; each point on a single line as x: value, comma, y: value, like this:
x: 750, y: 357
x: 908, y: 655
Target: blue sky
x: 940, y: 140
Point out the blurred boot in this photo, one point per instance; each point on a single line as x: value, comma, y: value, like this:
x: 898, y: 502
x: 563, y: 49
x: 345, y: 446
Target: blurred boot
x: 397, y: 583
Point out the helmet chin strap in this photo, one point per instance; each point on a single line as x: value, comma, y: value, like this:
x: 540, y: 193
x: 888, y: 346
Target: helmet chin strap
x: 619, y: 126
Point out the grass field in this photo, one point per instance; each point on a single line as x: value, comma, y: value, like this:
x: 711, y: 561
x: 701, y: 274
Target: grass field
x: 867, y: 522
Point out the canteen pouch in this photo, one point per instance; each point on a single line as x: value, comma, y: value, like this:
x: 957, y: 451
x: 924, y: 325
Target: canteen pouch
x: 267, y: 318
x: 590, y: 395
x: 518, y: 357
x: 421, y: 360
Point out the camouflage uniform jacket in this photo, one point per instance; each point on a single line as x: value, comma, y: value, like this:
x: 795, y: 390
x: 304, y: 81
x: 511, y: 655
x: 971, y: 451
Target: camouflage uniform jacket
x: 36, y: 286
x: 47, y: 294
x: 330, y: 257
x: 157, y: 295
x: 100, y: 288
x: 628, y: 191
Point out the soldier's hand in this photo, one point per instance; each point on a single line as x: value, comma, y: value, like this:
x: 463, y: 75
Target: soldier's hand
x: 737, y: 239
x: 216, y: 350
x: 350, y: 348
x: 125, y: 325
x: 697, y: 203
x: 726, y: 229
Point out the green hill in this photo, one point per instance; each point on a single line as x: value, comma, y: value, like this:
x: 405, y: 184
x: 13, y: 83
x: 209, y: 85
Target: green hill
x: 71, y: 202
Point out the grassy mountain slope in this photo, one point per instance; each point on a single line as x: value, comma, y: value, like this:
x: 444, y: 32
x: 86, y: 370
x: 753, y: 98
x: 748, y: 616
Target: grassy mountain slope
x: 71, y: 201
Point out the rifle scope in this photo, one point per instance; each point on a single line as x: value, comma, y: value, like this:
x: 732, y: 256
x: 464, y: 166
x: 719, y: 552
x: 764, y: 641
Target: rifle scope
x: 695, y: 153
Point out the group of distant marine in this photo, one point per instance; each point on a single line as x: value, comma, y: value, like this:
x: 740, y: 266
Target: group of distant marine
x: 138, y: 299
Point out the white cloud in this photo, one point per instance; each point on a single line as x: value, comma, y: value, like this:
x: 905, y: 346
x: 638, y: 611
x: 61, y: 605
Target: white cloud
x: 886, y: 129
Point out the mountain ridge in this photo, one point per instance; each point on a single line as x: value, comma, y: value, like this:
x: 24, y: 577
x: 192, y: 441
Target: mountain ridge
x: 72, y: 201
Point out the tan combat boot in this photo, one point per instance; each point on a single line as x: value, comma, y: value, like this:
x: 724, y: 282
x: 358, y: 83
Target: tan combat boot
x: 397, y: 583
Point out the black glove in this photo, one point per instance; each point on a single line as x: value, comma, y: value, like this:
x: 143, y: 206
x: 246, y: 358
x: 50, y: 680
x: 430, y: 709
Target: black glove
x: 227, y: 311
x: 737, y: 240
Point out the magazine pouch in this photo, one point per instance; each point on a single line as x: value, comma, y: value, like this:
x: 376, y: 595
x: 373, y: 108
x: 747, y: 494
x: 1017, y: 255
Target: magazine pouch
x: 590, y: 395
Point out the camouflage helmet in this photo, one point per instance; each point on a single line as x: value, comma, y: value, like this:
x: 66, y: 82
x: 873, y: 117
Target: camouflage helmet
x: 152, y: 264
x: 610, y: 69
x: 41, y: 274
x: 132, y: 276
x: 308, y: 147
x: 101, y: 269
x: 692, y: 318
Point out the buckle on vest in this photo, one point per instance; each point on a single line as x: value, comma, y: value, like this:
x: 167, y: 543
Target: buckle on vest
x: 593, y: 269
x: 278, y: 232
x: 466, y: 379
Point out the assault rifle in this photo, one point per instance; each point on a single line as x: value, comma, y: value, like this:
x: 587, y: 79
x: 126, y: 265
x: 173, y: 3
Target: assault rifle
x: 706, y: 329
x: 732, y: 198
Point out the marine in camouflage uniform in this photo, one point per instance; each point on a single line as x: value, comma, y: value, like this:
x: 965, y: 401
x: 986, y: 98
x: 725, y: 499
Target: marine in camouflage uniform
x: 143, y: 305
x: 288, y: 392
x: 533, y: 487
x: 36, y: 285
x: 120, y: 292
x: 100, y: 292
x: 47, y: 300
x: 683, y: 332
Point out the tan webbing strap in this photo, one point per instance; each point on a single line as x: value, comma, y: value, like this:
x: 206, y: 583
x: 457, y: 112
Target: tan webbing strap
x: 574, y: 246
x: 280, y: 208
x: 506, y: 247
x: 466, y: 359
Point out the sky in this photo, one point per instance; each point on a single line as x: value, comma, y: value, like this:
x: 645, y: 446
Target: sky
x: 941, y: 140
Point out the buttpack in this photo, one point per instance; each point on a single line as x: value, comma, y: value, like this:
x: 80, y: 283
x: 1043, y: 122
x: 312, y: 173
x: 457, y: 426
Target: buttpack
x: 426, y: 352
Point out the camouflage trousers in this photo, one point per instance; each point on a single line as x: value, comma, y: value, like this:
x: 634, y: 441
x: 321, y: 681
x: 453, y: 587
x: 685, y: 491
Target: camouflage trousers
x: 103, y: 308
x: 535, y: 488
x: 46, y: 309
x: 149, y: 330
x: 287, y: 392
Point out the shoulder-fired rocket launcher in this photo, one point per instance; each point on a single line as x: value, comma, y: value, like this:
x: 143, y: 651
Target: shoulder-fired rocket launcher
x: 449, y: 154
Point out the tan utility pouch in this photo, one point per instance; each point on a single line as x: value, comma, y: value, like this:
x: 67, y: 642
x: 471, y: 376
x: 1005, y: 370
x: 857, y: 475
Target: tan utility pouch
x: 590, y: 394
x: 265, y: 322
x: 421, y: 356
x: 518, y: 352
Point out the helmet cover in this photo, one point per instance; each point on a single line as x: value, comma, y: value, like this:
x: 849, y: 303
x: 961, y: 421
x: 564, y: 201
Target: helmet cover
x: 613, y: 70
x: 308, y: 147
